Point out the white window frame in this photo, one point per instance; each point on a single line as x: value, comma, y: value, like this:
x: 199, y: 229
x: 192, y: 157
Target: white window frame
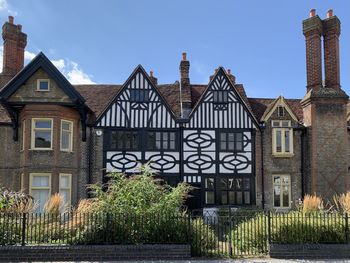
x: 69, y: 202
x: 281, y: 195
x: 31, y: 188
x: 70, y: 148
x: 282, y: 129
x: 38, y: 85
x: 33, y: 129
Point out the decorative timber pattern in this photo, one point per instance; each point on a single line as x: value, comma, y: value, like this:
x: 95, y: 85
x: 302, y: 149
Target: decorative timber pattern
x: 136, y: 112
x: 232, y: 113
x: 151, y: 113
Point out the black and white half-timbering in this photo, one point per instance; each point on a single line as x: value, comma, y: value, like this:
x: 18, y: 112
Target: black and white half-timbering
x: 218, y: 146
x: 213, y: 149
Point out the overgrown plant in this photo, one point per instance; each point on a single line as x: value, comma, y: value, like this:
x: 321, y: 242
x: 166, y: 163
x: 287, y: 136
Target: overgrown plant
x: 342, y: 202
x: 312, y: 203
x: 16, y: 202
x: 55, y: 205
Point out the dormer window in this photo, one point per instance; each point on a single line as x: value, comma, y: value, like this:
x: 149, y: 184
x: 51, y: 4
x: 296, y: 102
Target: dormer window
x: 220, y: 96
x: 139, y: 95
x: 281, y: 111
x: 43, y: 85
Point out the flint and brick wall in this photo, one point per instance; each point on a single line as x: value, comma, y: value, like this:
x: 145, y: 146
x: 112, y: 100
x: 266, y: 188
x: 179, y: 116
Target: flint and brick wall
x: 94, y: 253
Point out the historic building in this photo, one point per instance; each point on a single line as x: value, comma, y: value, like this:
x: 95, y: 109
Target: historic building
x: 236, y: 150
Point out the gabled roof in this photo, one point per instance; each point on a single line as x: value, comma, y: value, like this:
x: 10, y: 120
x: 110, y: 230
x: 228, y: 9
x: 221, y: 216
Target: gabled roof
x: 244, y: 102
x: 280, y: 101
x: 260, y: 105
x: 40, y: 61
x: 138, y: 69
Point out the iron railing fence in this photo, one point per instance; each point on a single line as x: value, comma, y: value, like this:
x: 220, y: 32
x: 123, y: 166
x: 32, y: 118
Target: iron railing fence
x: 217, y: 234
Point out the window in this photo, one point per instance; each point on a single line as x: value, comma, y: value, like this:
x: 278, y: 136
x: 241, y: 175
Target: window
x: 231, y: 141
x: 281, y: 191
x: 280, y: 111
x: 282, y: 138
x: 124, y: 140
x: 139, y: 95
x: 66, y: 188
x: 43, y: 85
x: 235, y: 191
x: 40, y: 189
x: 161, y: 140
x: 209, y: 191
x: 66, y: 135
x: 220, y: 96
x: 41, y: 134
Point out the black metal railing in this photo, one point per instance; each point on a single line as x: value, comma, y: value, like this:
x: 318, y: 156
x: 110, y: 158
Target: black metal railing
x: 210, y: 234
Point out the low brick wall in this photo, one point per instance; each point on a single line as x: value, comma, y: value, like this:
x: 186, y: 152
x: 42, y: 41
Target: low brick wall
x: 308, y: 251
x: 95, y: 252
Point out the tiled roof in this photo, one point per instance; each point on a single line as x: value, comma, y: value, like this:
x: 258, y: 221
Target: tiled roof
x: 97, y: 96
x: 259, y: 106
x: 171, y: 94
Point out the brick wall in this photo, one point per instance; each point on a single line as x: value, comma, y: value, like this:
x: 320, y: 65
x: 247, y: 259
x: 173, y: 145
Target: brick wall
x: 94, y: 253
x: 311, y: 251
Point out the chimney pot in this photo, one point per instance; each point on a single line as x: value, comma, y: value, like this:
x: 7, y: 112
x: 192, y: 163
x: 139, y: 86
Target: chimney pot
x: 229, y: 71
x: 184, y: 56
x: 329, y: 13
x: 11, y: 19
x: 312, y: 12
x: 151, y: 73
x: 19, y: 27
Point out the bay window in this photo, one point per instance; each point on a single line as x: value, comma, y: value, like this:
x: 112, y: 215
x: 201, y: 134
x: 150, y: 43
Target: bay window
x: 66, y: 135
x: 40, y: 188
x: 42, y: 134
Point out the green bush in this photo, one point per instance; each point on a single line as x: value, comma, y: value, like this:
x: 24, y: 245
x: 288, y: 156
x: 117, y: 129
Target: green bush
x: 291, y: 228
x: 10, y: 229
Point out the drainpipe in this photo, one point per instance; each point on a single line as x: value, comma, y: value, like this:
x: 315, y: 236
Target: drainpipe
x: 262, y: 128
x: 303, y: 133
x: 89, y: 157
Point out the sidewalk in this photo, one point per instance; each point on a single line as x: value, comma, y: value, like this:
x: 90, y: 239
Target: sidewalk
x: 257, y: 260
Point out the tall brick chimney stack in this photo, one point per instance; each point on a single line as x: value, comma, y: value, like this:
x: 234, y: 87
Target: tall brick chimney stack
x: 15, y: 42
x: 312, y: 29
x: 325, y: 111
x: 185, y: 85
x: 331, y: 32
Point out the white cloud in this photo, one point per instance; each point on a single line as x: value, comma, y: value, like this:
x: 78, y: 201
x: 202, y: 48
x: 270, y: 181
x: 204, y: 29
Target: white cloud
x: 28, y: 55
x: 60, y: 64
x: 5, y: 7
x: 70, y: 69
x: 77, y: 76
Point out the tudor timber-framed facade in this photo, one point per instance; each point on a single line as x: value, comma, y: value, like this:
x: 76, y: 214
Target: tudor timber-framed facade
x: 236, y: 151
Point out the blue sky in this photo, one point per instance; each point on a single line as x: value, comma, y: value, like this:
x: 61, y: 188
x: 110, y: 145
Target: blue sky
x: 103, y: 41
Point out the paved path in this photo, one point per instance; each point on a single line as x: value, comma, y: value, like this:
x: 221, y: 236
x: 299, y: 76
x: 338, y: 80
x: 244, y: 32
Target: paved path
x: 259, y: 260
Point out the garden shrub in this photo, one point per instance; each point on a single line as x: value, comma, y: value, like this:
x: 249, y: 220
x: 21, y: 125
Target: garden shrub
x: 290, y: 228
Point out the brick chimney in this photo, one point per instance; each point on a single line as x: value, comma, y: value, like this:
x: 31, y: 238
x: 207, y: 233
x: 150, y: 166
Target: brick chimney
x: 185, y: 85
x: 153, y: 78
x: 15, y: 42
x: 312, y: 29
x: 331, y: 32
x: 231, y: 77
